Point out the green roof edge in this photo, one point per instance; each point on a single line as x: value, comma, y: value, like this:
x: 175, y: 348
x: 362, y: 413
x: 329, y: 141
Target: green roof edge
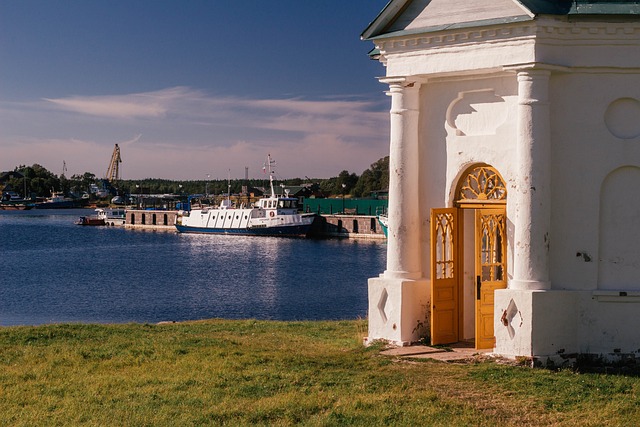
x: 536, y: 7
x: 471, y: 24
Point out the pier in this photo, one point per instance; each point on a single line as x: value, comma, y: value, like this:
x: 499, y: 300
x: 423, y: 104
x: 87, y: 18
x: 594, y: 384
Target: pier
x: 346, y: 225
x: 146, y: 219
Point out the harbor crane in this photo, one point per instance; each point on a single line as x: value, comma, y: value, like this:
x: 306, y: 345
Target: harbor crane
x: 113, y: 172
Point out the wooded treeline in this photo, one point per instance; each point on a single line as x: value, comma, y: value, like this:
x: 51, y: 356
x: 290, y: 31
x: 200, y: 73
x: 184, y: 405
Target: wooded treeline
x: 37, y: 181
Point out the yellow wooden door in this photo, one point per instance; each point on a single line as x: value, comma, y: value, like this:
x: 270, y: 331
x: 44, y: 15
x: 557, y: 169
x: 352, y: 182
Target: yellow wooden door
x: 491, y: 258
x: 444, y: 275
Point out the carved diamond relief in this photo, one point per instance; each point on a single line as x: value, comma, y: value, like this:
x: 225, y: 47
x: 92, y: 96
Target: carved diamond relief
x: 382, y: 305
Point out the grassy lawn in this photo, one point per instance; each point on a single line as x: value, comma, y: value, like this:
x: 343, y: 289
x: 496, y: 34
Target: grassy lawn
x: 278, y: 373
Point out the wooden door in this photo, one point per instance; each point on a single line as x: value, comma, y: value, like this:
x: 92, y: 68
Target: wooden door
x: 445, y: 272
x: 491, y: 257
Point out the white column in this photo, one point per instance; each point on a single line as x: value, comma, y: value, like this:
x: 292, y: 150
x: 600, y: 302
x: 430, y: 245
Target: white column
x: 403, y: 246
x: 532, y: 195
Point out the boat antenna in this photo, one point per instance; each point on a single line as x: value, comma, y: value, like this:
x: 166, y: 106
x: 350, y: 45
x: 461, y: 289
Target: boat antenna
x: 229, y: 185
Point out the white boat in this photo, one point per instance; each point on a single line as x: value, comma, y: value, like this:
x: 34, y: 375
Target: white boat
x: 384, y: 223
x: 111, y: 216
x: 271, y: 216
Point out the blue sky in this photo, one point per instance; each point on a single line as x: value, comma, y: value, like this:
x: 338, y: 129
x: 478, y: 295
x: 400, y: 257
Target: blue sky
x: 191, y: 87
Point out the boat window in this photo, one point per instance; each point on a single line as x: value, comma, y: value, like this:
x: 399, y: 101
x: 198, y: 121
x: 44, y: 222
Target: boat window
x: 133, y: 219
x: 166, y: 219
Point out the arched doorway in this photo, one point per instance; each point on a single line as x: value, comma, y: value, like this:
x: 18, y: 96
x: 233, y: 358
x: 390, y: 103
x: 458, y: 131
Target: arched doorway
x: 462, y: 300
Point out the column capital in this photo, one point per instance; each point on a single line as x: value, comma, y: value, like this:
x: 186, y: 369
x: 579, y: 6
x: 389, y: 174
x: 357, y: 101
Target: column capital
x: 404, y: 93
x: 533, y: 86
x: 402, y: 81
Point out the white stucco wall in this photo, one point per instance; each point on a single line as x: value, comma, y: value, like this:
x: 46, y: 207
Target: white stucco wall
x: 584, y: 153
x: 468, y: 114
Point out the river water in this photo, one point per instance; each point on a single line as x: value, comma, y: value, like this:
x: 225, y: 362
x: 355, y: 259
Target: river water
x: 54, y: 271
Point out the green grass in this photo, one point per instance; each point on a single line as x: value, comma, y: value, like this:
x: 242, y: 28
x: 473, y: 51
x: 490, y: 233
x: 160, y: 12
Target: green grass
x: 278, y: 373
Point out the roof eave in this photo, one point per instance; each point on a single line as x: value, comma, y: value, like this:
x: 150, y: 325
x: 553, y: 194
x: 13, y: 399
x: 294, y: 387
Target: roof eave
x: 531, y: 9
x: 383, y: 19
x: 461, y: 25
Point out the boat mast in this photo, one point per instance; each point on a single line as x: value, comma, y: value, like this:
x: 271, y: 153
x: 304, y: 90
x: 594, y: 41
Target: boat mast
x: 271, y: 162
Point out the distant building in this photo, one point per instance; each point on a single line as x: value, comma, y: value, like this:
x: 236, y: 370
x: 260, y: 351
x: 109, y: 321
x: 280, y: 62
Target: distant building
x: 514, y: 219
x: 8, y: 192
x: 301, y: 192
x: 6, y: 176
x: 380, y: 194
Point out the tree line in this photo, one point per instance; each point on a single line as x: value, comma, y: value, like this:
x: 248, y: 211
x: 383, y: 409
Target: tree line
x: 37, y: 181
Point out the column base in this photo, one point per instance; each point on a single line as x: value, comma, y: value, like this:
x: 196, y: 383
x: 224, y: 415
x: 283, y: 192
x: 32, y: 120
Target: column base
x: 533, y: 323
x: 397, y: 308
x: 529, y: 285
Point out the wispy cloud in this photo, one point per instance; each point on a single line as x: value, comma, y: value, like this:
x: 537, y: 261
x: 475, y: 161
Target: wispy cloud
x: 187, y: 131
x: 141, y: 105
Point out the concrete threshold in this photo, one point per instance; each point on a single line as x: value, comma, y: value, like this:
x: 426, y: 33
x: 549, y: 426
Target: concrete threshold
x: 454, y: 353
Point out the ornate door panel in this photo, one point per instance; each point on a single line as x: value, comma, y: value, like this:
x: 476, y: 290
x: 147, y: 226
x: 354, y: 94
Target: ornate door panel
x: 491, y: 258
x: 445, y: 272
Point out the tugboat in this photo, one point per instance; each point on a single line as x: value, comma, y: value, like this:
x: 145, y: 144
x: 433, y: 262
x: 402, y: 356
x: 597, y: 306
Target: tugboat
x: 112, y: 216
x: 271, y: 216
x: 90, y: 220
x: 104, y: 217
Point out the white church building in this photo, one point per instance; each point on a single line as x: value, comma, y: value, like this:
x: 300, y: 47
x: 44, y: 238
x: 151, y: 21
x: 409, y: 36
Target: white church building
x: 514, y: 195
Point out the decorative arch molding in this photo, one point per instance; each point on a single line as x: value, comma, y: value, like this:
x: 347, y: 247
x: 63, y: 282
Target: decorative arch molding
x: 480, y: 184
x: 619, y: 252
x: 476, y: 112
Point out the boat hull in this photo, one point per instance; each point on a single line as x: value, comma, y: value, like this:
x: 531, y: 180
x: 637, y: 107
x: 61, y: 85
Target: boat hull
x: 91, y: 221
x: 383, y: 220
x: 71, y: 204
x: 15, y: 207
x: 282, y: 231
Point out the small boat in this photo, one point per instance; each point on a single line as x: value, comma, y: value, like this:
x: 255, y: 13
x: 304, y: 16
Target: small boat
x: 112, y: 216
x: 90, y: 220
x: 12, y: 202
x: 104, y: 217
x: 383, y: 220
x: 271, y: 216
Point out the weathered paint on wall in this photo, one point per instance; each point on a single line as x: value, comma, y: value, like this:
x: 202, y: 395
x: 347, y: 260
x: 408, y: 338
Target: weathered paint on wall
x: 554, y: 106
